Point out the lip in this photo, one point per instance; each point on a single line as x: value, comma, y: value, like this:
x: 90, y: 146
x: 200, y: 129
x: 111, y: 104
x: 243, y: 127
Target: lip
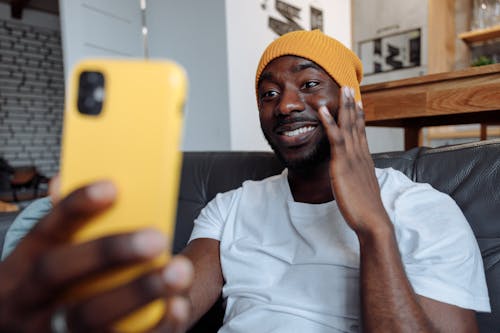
x: 298, y: 139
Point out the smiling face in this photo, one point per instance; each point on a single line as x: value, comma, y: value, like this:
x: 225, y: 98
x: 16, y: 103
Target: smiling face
x: 290, y: 91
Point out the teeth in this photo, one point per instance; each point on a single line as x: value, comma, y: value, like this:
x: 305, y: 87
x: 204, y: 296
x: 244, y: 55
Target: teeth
x: 299, y: 131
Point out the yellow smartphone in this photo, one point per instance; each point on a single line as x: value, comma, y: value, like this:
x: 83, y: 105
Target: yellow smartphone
x: 123, y: 122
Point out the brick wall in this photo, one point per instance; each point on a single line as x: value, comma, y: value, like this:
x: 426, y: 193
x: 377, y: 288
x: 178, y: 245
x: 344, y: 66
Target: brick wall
x: 31, y: 95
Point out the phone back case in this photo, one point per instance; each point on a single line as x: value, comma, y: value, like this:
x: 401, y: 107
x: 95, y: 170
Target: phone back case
x: 134, y: 142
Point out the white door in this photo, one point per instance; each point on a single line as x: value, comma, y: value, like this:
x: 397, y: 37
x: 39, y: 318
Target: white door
x: 100, y: 28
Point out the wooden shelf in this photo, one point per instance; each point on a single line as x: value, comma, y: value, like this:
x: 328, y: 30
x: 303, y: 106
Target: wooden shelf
x: 481, y: 35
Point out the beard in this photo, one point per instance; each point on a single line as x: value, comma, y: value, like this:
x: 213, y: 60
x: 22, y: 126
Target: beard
x: 313, y: 158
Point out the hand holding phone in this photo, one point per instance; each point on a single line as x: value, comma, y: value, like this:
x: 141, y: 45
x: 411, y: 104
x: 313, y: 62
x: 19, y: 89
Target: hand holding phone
x: 44, y: 265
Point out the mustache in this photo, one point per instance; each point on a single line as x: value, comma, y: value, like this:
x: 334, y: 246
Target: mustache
x: 286, y: 120
x: 291, y: 119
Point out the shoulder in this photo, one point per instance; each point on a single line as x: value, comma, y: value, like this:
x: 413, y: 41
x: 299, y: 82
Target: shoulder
x: 423, y: 215
x: 224, y: 207
x: 430, y: 228
x: 391, y: 180
x: 31, y: 214
x: 401, y: 193
x: 266, y: 184
x: 24, y: 222
x: 252, y: 188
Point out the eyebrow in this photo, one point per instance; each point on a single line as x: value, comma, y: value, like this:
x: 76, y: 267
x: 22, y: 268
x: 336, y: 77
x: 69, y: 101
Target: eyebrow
x: 268, y: 76
x: 305, y: 65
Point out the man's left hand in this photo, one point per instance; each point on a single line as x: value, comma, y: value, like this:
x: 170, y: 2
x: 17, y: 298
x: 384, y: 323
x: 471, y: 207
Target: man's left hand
x: 352, y: 173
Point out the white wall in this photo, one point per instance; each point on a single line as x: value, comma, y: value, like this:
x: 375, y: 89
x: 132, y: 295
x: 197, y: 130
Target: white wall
x: 379, y: 18
x: 193, y: 33
x: 219, y: 42
x: 248, y: 35
x: 376, y: 18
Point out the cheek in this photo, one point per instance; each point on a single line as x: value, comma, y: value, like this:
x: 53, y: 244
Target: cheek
x: 321, y: 102
x: 328, y: 101
x: 266, y: 111
x: 264, y: 119
x: 331, y: 103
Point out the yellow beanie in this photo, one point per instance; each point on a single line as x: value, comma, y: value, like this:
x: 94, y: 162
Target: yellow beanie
x: 336, y: 59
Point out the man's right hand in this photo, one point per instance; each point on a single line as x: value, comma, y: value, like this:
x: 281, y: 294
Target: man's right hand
x: 45, y: 265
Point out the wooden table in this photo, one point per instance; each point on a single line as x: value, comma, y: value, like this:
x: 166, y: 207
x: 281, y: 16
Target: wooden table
x: 462, y: 97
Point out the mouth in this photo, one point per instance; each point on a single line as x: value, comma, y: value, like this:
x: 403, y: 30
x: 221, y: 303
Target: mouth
x: 296, y: 134
x: 299, y: 131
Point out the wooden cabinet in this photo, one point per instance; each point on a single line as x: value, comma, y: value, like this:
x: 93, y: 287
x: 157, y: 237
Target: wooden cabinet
x: 460, y: 97
x: 450, y: 92
x: 450, y: 49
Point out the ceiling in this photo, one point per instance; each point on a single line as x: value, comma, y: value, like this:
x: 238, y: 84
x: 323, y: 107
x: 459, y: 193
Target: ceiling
x: 48, y: 6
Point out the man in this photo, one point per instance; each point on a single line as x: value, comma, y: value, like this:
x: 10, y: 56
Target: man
x: 331, y: 244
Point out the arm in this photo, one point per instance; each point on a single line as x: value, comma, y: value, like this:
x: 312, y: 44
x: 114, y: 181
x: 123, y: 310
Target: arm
x: 208, y: 280
x: 389, y: 303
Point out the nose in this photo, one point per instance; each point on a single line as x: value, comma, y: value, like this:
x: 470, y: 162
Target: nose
x: 291, y: 101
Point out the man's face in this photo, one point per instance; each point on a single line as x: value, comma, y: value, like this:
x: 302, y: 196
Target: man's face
x: 290, y: 91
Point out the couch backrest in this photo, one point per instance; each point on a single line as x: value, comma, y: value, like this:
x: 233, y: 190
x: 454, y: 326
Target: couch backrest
x: 470, y: 173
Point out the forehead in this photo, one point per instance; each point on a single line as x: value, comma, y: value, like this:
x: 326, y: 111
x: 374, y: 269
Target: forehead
x: 288, y: 64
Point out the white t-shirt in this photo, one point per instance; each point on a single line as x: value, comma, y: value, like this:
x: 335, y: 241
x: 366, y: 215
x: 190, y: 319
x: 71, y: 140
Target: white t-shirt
x: 294, y: 267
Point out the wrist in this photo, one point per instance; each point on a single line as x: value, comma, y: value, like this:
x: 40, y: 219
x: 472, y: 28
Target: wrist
x: 377, y: 233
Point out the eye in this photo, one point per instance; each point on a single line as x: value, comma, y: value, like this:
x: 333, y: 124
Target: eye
x: 269, y: 94
x: 310, y: 84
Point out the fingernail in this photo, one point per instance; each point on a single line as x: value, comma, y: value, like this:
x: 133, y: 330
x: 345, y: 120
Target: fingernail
x: 179, y: 308
x: 346, y: 91
x: 350, y: 92
x: 149, y: 242
x: 178, y: 272
x: 54, y: 189
x: 360, y: 104
x: 101, y: 191
x: 324, y: 110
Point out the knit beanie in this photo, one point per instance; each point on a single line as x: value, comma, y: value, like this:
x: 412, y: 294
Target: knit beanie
x: 337, y: 60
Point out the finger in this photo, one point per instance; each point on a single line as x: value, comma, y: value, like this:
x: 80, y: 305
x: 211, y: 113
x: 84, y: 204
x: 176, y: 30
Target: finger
x: 54, y: 189
x: 346, y: 105
x: 101, y: 312
x: 96, y: 313
x: 352, y: 107
x: 354, y: 129
x: 178, y: 310
x: 62, y: 267
x: 361, y: 128
x: 345, y: 112
x: 179, y: 275
x: 332, y: 130
x: 75, y: 210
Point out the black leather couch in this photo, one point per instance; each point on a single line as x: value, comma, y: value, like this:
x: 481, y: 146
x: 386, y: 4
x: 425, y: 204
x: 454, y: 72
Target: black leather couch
x: 470, y: 173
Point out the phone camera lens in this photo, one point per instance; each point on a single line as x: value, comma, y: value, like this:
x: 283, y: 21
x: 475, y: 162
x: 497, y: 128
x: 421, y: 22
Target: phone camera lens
x: 91, y: 93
